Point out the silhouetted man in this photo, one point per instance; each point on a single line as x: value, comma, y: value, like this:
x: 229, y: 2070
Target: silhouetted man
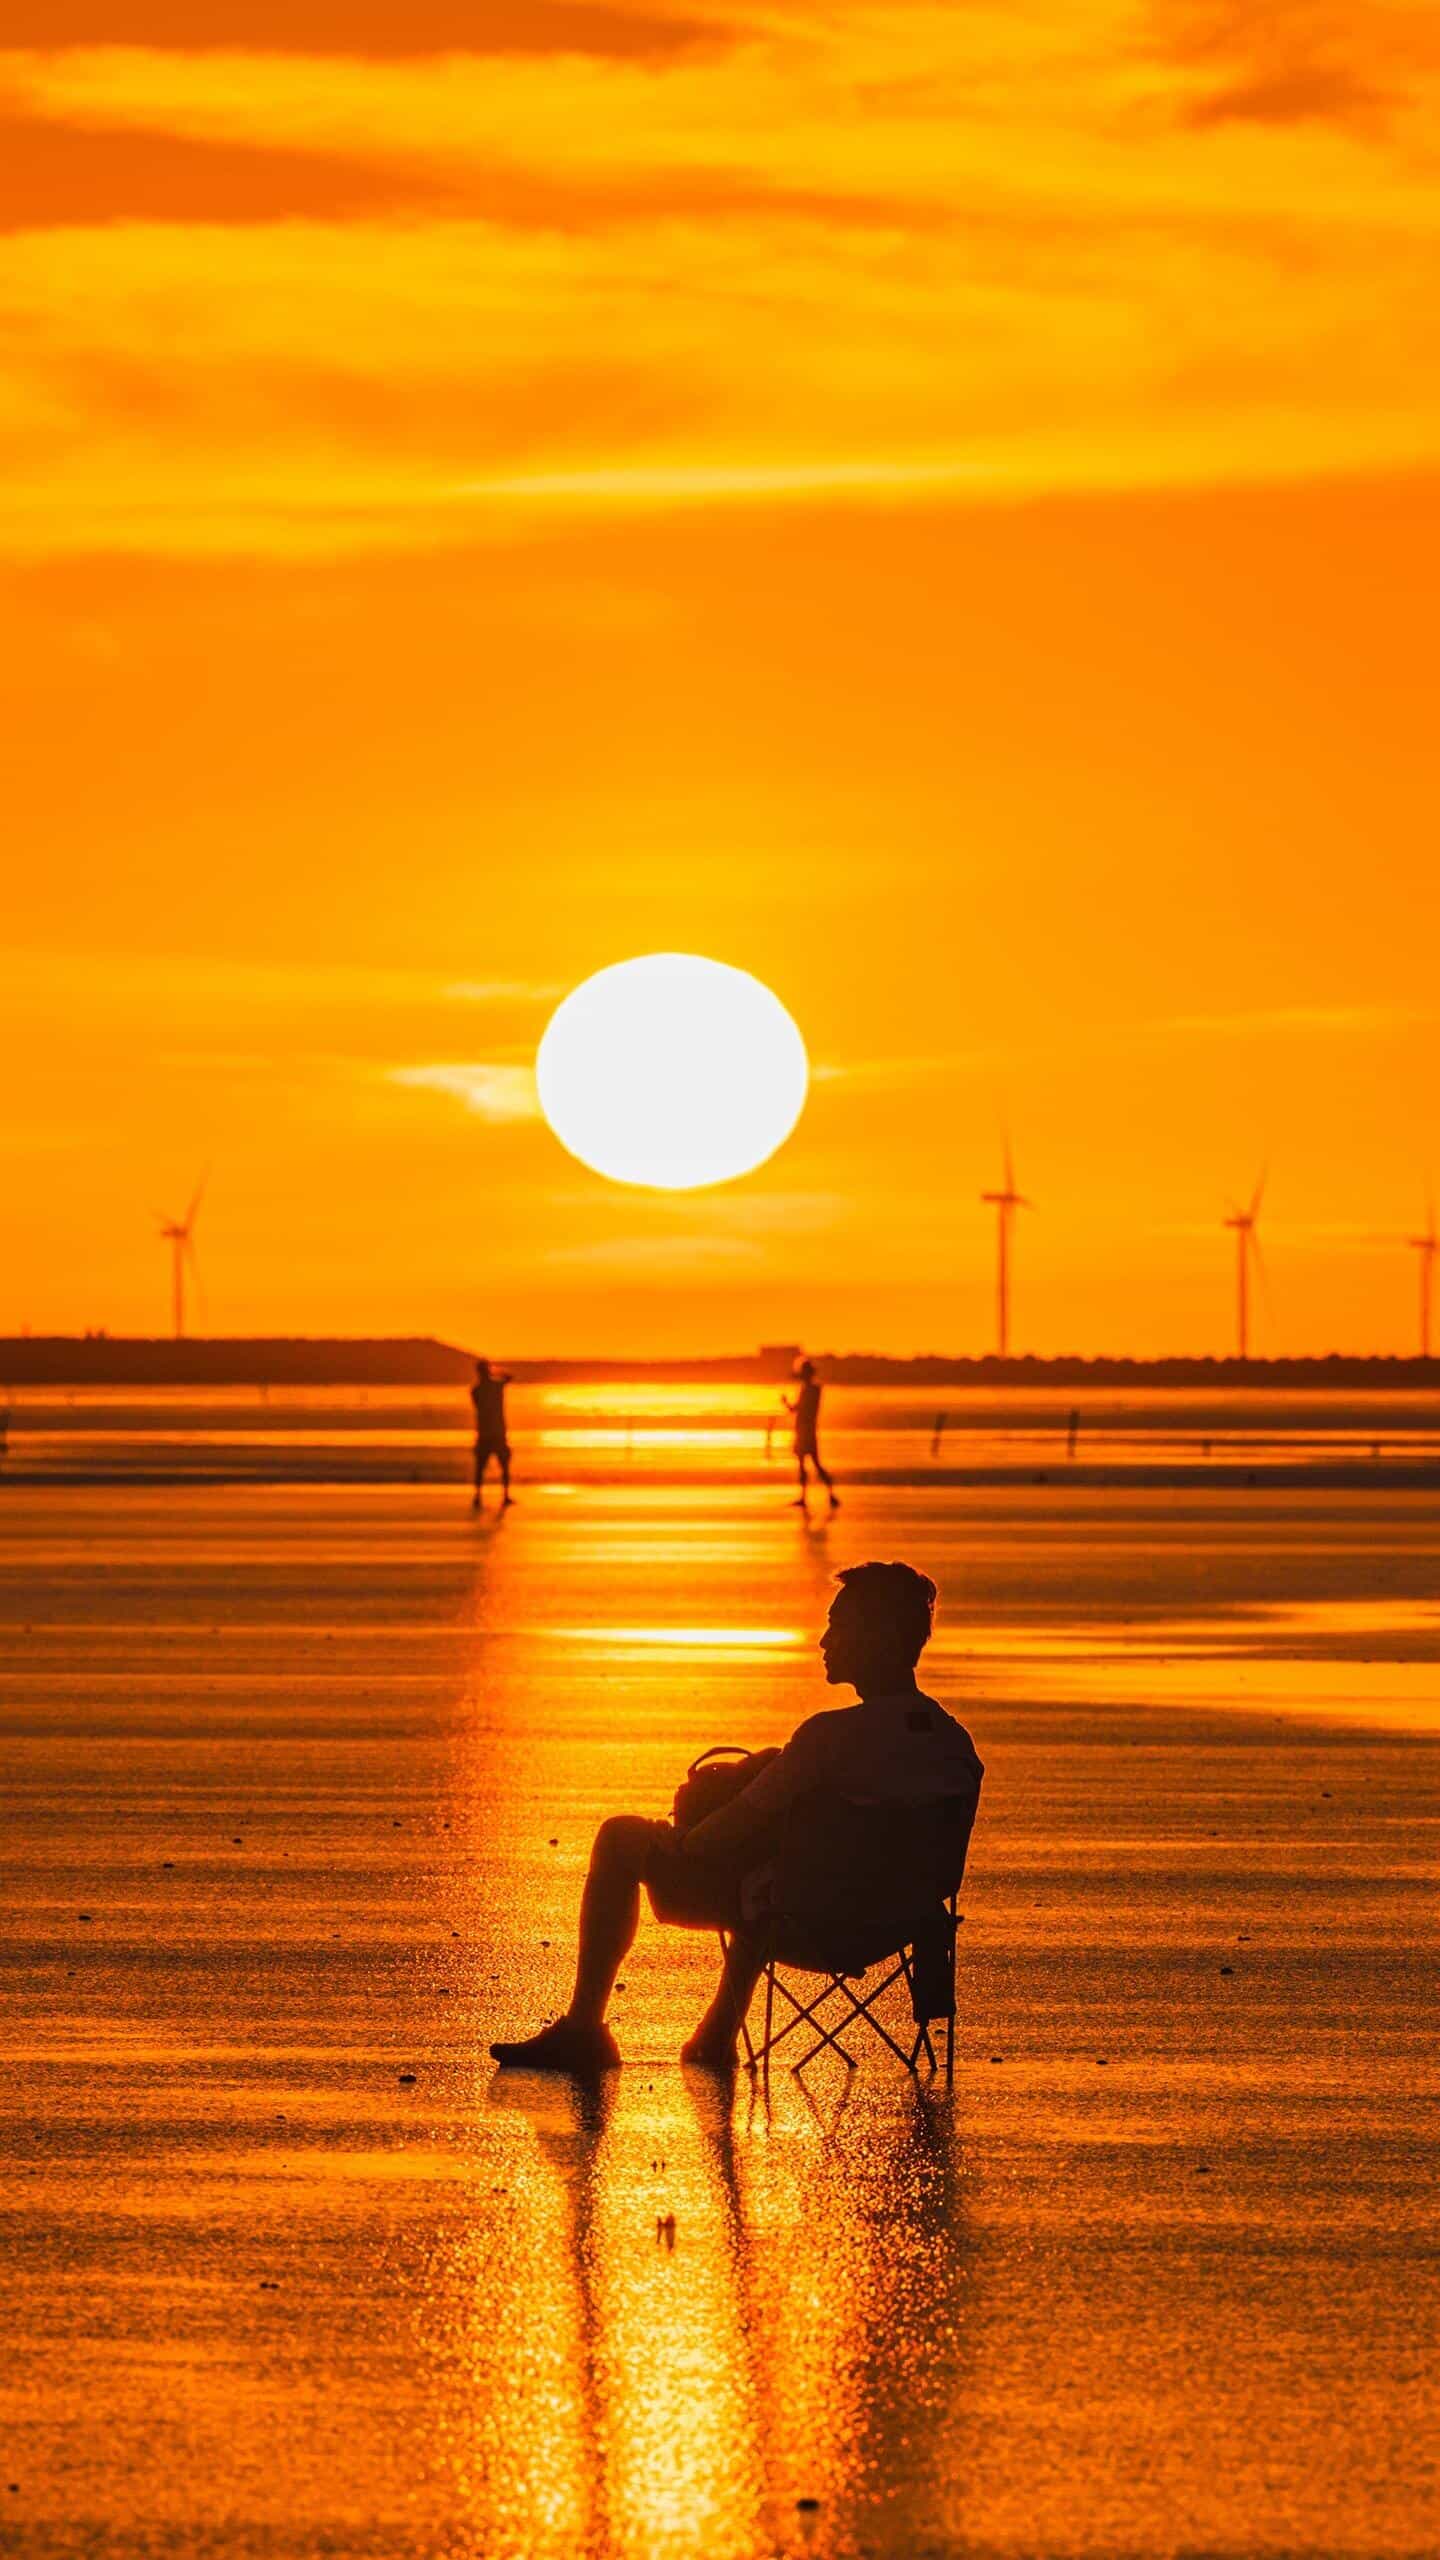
x: 896, y: 1747
x: 805, y: 1406
x: 491, y: 1439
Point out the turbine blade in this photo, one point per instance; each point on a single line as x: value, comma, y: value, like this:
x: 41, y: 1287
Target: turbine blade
x: 194, y: 1209
x: 1259, y: 1193
x: 1009, y: 1160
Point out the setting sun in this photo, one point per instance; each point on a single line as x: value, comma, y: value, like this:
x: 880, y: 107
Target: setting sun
x: 672, y: 1072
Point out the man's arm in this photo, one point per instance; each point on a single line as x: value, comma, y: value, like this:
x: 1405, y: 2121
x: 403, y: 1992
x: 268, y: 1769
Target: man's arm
x: 750, y: 1814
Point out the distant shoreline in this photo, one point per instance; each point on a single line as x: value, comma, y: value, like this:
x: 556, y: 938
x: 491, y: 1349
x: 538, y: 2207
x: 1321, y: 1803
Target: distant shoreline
x: 1400, y: 1474
x: 103, y: 1360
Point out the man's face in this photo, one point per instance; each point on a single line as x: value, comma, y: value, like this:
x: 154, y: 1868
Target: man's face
x: 840, y: 1649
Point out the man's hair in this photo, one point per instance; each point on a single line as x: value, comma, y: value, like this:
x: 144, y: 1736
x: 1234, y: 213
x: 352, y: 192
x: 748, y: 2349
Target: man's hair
x: 893, y: 1601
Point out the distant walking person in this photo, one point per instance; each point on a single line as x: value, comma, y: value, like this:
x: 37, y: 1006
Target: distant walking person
x: 491, y: 1439
x: 805, y: 1406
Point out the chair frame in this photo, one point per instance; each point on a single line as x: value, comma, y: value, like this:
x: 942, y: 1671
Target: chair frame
x: 860, y: 2009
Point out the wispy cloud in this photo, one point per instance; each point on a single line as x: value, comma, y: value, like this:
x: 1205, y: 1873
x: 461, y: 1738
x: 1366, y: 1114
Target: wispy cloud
x: 208, y: 978
x: 491, y: 1091
x: 1296, y: 62
x: 684, y: 1257
x: 374, y: 29
x: 1318, y: 1020
x: 330, y: 289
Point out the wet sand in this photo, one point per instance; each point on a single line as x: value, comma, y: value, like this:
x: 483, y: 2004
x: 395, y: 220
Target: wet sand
x: 300, y: 1786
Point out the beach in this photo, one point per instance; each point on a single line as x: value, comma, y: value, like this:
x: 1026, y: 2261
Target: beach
x: 301, y: 1779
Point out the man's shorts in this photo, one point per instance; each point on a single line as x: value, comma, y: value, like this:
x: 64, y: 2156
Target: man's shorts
x: 686, y: 1892
x: 485, y: 1450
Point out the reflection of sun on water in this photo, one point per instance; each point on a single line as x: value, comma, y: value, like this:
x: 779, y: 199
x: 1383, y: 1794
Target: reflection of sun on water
x: 693, y: 1639
x: 800, y: 2335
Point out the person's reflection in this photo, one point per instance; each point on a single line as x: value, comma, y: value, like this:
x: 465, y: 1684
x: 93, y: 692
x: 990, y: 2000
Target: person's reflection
x: 541, y: 2473
x: 853, y: 2278
x: 802, y: 2333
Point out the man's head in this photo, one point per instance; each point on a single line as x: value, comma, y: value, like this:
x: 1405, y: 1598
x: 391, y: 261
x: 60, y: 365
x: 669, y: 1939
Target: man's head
x: 805, y: 1369
x: 482, y: 1368
x: 879, y: 1625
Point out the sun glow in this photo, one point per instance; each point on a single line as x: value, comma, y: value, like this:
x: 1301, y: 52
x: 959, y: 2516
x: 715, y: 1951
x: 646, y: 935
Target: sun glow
x: 672, y: 1072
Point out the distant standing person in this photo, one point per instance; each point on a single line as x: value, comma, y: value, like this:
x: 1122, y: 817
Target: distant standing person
x: 805, y: 1406
x: 491, y: 1438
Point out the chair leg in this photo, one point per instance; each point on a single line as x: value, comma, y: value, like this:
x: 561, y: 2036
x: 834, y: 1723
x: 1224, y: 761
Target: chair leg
x: 865, y: 2009
x: 807, y: 2014
x: 818, y: 2047
x: 954, y: 1970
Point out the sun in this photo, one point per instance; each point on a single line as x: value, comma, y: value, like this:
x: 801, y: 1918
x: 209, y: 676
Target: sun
x: 672, y: 1071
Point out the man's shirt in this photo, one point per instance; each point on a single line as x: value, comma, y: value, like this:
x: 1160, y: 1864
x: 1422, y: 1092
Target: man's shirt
x: 900, y: 1750
x: 488, y: 1397
x: 807, y: 1413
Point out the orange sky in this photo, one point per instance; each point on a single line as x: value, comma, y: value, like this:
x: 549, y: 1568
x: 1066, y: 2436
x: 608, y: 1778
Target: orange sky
x: 937, y: 506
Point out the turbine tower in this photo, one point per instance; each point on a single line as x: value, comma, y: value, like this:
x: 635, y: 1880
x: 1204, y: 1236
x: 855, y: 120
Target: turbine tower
x: 1004, y: 1202
x: 1427, y: 1246
x: 1244, y: 1224
x: 179, y: 1234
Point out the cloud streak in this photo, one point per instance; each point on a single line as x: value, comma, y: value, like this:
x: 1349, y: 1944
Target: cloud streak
x: 272, y: 298
x: 500, y: 1092
x: 386, y: 30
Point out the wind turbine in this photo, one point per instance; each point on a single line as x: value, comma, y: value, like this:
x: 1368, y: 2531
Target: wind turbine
x: 1427, y: 1246
x: 1244, y: 1224
x: 1004, y: 1202
x: 179, y: 1234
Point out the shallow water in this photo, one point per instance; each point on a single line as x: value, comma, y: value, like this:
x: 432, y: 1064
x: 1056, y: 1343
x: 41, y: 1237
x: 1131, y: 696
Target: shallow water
x: 320, y: 1769
x: 648, y: 1432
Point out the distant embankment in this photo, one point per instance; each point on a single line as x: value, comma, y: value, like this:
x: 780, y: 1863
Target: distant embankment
x: 103, y: 1360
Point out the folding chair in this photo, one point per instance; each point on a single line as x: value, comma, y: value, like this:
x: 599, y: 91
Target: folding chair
x: 856, y: 1890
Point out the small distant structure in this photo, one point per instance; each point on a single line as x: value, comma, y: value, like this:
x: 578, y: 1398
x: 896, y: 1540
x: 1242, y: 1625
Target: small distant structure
x: 779, y: 1361
x: 179, y: 1234
x: 1004, y: 1202
x: 1427, y: 1246
x: 1244, y: 1225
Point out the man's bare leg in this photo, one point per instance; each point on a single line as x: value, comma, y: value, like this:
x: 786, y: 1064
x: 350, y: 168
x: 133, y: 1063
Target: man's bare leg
x: 609, y: 1913
x: 609, y: 1917
x: 715, y: 2040
x: 802, y: 1498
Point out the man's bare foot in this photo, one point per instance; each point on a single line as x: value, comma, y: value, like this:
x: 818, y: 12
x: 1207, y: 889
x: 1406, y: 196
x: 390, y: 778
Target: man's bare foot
x: 564, y: 2046
x: 708, y: 2050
